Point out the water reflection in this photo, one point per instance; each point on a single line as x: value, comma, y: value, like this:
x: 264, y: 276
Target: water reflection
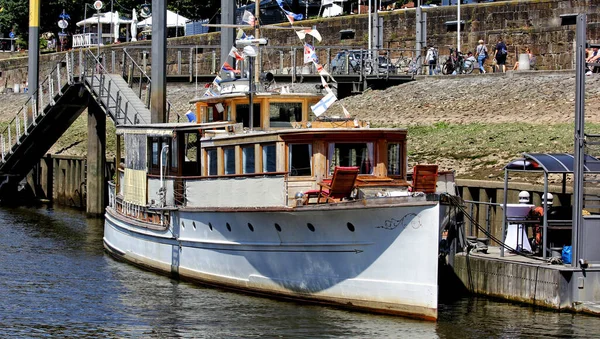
x: 55, y: 280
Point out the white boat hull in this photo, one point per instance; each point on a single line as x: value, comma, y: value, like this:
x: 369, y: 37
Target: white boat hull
x: 381, y: 259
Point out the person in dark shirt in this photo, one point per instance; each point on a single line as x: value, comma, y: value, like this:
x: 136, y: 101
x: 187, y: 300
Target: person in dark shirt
x: 500, y: 55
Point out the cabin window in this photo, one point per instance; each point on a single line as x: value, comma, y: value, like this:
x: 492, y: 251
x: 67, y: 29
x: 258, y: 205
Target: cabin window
x: 191, y: 163
x: 243, y: 115
x: 155, y: 148
x: 248, y: 159
x: 269, y: 161
x: 229, y: 159
x: 394, y: 159
x: 228, y: 113
x: 210, y: 114
x: 211, y: 156
x: 300, y: 159
x: 283, y: 114
x: 355, y: 154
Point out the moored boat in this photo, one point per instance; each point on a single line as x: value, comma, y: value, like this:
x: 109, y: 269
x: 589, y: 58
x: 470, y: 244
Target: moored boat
x: 285, y: 204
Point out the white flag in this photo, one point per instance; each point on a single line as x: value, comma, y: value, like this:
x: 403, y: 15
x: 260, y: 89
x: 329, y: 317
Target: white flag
x: 313, y: 32
x: 249, y: 18
x: 321, y: 106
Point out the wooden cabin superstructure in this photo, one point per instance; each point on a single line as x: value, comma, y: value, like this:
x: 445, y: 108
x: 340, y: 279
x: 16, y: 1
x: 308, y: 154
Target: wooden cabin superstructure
x: 302, y: 150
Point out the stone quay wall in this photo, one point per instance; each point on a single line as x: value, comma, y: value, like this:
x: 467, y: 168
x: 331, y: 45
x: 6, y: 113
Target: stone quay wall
x: 532, y: 23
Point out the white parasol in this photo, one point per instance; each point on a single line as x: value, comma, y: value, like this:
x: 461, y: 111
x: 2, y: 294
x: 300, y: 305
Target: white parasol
x: 134, y: 22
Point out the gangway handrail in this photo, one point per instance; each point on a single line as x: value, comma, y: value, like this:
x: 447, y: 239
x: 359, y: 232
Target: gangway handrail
x: 97, y: 62
x: 127, y: 56
x: 21, y: 122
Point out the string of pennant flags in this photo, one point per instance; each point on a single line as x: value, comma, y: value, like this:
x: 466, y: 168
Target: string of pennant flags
x: 310, y: 56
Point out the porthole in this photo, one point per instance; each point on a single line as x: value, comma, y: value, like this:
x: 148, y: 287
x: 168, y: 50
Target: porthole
x: 350, y: 226
x: 277, y: 227
x: 251, y: 227
x: 194, y: 224
x: 311, y: 227
x: 228, y: 227
x: 210, y: 226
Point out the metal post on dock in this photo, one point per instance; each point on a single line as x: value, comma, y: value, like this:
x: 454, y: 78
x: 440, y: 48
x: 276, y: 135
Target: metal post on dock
x: 579, y: 137
x: 502, y: 235
x: 34, y: 46
x: 545, y: 217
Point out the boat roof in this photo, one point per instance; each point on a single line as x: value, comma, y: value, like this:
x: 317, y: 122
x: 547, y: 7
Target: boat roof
x: 160, y: 129
x: 551, y: 163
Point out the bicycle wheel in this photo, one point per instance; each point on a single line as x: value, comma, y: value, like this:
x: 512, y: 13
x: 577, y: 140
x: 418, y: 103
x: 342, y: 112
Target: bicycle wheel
x: 468, y: 68
x: 447, y: 69
x: 412, y: 68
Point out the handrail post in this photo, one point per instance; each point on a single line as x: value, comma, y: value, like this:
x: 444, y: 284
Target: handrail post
x: 34, y: 110
x: 69, y: 80
x: 148, y: 88
x: 58, y: 78
x: 24, y: 120
x: 214, y: 62
x: 51, y: 91
x: 18, y: 129
x: 124, y: 63
x: 293, y: 64
x: 81, y: 69
x: 130, y: 76
x: 141, y: 82
x: 113, y: 57
x: 41, y: 97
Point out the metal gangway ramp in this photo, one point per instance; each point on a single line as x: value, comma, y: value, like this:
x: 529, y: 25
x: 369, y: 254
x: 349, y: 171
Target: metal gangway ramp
x: 77, y: 81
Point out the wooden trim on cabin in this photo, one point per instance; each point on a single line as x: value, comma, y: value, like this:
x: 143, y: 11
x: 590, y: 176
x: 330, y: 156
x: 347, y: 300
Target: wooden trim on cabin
x: 248, y: 175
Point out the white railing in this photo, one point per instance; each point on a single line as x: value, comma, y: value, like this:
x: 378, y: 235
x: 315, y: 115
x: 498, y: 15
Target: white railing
x: 85, y: 40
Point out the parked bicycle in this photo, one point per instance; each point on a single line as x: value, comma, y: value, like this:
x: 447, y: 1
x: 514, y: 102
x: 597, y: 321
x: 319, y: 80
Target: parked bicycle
x: 457, y: 63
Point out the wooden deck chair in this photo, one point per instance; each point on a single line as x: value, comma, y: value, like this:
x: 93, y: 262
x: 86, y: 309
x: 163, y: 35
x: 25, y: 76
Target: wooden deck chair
x: 342, y: 183
x: 338, y: 187
x: 424, y: 178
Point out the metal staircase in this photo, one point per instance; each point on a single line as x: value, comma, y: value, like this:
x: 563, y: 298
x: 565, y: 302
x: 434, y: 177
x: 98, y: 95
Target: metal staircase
x: 65, y: 92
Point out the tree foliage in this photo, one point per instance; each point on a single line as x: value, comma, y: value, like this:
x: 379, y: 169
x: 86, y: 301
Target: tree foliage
x: 14, y: 14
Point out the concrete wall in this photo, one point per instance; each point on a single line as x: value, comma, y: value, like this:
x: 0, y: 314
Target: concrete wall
x: 62, y: 180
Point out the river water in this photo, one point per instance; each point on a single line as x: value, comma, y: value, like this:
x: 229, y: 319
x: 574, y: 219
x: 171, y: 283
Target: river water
x: 56, y: 281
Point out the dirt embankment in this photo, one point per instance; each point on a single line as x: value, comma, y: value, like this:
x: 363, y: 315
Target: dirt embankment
x: 537, y: 98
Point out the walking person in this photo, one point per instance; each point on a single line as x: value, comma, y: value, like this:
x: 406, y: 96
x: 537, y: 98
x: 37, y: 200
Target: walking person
x: 500, y: 55
x: 482, y: 54
x: 431, y: 58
